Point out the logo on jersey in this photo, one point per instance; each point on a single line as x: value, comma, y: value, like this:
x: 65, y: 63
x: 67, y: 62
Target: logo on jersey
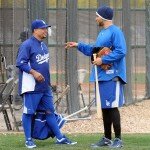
x: 40, y: 59
x: 107, y: 103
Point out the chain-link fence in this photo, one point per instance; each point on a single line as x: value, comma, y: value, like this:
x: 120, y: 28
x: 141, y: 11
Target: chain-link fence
x: 74, y: 20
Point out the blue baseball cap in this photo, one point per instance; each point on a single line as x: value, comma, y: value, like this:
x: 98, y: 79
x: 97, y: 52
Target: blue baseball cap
x: 39, y: 24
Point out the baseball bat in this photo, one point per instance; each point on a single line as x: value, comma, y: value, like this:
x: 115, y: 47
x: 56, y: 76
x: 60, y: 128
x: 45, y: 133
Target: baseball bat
x: 98, y: 99
x: 81, y: 110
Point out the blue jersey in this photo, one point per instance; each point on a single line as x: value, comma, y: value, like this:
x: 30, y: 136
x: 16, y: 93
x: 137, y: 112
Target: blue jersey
x: 114, y: 38
x: 33, y: 54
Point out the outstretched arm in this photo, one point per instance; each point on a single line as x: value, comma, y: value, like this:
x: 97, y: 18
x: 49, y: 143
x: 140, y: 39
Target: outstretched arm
x: 86, y: 49
x: 71, y: 45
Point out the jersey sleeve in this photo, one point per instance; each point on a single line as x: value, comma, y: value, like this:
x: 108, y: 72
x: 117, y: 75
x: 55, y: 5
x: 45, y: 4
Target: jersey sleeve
x: 86, y: 49
x: 22, y: 61
x: 118, y: 48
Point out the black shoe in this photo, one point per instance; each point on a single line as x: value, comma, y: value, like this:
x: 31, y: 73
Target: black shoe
x: 117, y: 143
x: 103, y: 142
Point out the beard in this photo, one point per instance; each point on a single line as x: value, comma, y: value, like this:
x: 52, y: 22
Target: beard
x: 101, y: 24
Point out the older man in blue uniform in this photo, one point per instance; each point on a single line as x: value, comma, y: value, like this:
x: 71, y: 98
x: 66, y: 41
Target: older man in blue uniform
x: 34, y: 83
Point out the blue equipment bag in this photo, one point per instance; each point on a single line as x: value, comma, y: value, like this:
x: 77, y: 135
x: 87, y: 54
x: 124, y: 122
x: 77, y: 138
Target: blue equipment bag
x: 40, y: 128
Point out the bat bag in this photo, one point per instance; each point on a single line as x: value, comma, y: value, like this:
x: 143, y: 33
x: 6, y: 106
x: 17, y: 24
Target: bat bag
x: 40, y: 128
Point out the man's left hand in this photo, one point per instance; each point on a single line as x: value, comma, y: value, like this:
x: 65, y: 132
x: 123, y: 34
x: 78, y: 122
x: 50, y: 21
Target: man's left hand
x: 97, y: 61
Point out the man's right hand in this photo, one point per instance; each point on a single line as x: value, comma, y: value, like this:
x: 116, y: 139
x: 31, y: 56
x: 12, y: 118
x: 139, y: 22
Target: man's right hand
x: 70, y: 45
x: 38, y: 76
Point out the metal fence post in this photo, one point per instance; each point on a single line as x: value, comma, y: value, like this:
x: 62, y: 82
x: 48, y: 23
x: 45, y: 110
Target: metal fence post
x: 126, y: 29
x: 71, y: 62
x: 147, y: 50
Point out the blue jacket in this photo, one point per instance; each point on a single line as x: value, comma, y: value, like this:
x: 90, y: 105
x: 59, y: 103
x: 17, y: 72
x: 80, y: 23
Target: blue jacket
x: 109, y: 37
x: 33, y: 54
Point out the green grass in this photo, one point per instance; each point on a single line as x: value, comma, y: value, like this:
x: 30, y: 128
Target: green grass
x: 139, y: 78
x: 131, y: 142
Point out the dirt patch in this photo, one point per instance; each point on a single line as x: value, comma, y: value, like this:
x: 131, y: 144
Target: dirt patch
x: 134, y: 119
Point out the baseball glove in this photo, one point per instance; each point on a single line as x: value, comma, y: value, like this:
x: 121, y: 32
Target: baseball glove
x: 101, y: 51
